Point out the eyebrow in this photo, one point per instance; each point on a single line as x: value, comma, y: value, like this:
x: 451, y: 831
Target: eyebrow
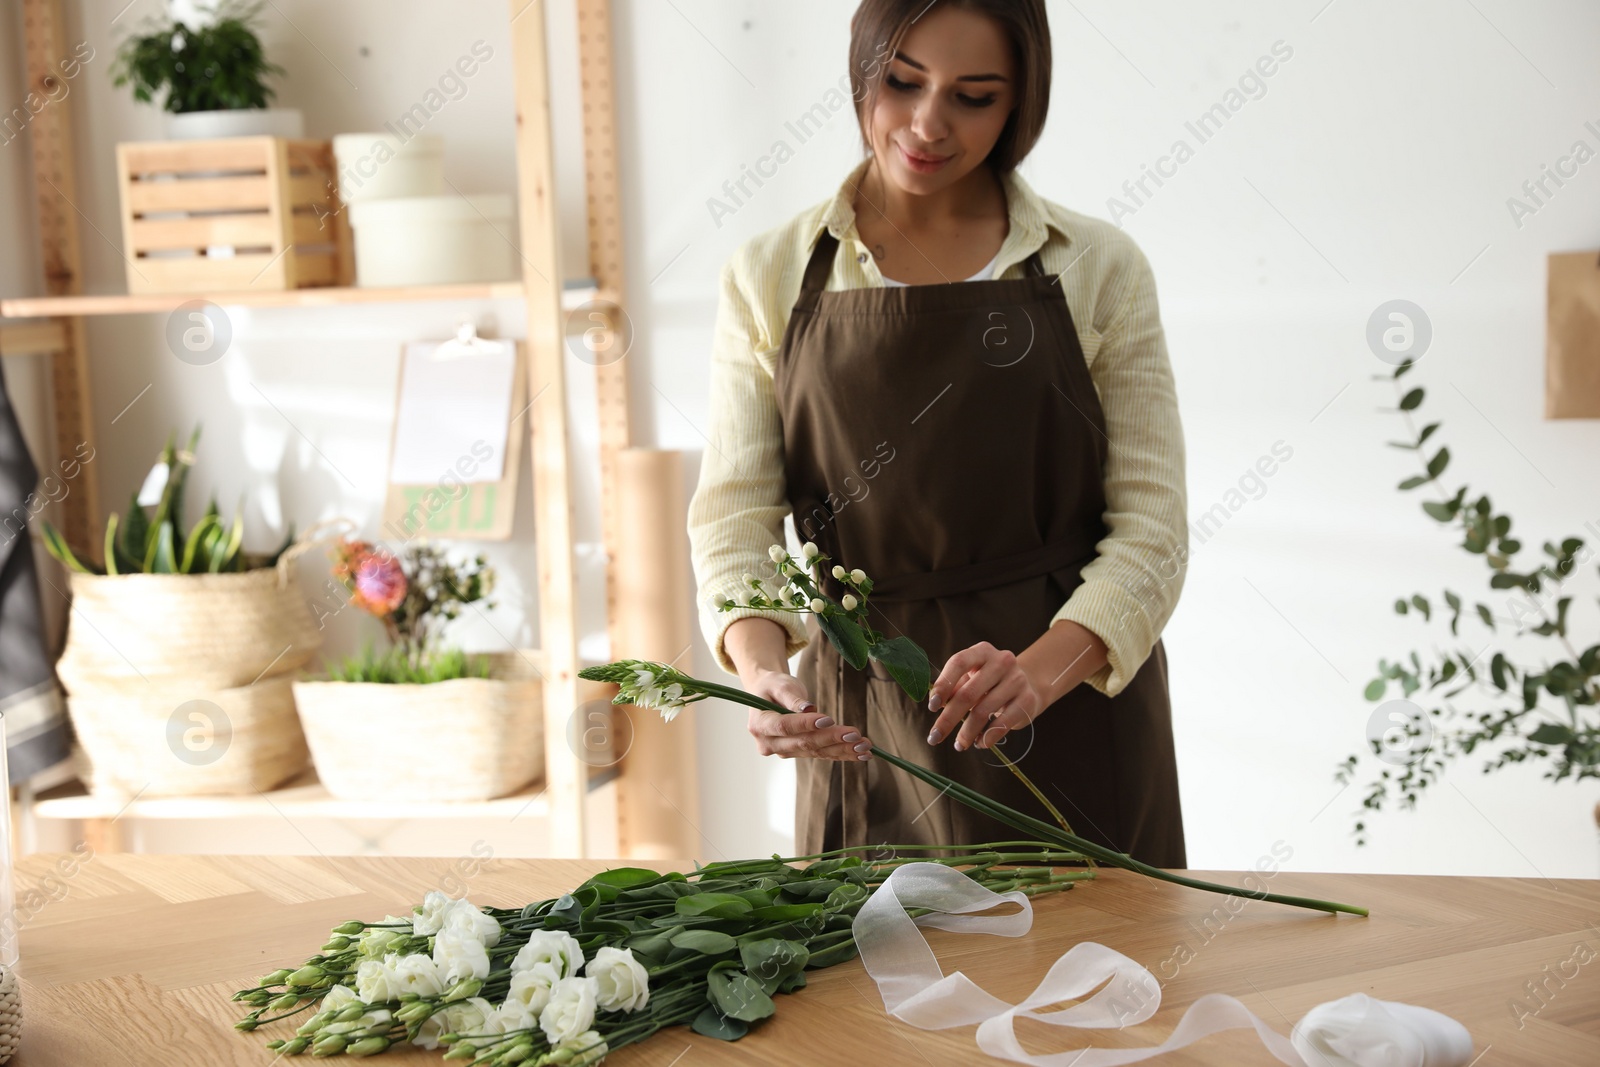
x: 964, y: 78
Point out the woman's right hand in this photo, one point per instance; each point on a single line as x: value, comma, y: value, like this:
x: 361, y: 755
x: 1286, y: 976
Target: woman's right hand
x: 804, y: 731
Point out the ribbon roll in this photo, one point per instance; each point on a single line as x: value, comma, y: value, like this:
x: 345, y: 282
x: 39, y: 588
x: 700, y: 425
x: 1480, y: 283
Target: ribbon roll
x: 1356, y: 1031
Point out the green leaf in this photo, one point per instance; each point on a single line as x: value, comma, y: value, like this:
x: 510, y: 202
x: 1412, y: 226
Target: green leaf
x: 1401, y: 607
x: 1411, y: 400
x: 907, y: 663
x: 57, y: 546
x: 1427, y: 432
x: 1442, y: 511
x: 713, y: 905
x: 135, y: 531
x: 737, y: 995
x: 1552, y: 733
x: 792, y: 983
x: 160, y: 560
x: 846, y: 637
x: 712, y: 1023
x: 771, y: 960
x: 705, y: 942
x: 1486, y: 615
x: 1413, y: 481
x: 655, y: 944
x: 786, y: 912
x: 197, y: 540
x: 1438, y: 463
x: 1420, y: 602
x: 845, y: 950
x: 1376, y: 688
x: 111, y: 544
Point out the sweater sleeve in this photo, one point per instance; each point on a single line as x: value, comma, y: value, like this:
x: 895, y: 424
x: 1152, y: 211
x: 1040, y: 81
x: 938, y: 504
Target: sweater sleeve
x: 1130, y: 589
x: 738, y: 506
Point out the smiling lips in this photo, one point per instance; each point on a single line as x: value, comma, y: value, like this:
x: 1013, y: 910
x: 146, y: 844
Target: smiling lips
x: 922, y: 163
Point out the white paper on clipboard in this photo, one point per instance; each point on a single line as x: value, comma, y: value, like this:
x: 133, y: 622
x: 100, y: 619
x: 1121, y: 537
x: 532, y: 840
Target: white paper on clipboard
x: 455, y: 399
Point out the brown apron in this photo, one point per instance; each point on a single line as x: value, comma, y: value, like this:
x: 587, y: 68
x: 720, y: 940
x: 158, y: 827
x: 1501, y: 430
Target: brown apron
x: 948, y: 440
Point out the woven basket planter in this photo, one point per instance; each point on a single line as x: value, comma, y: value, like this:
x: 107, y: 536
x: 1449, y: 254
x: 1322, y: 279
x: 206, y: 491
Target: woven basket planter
x: 178, y: 684
x: 184, y: 741
x: 461, y: 740
x: 10, y: 1014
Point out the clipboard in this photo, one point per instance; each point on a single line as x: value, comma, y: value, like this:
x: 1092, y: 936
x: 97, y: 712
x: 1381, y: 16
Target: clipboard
x: 465, y: 499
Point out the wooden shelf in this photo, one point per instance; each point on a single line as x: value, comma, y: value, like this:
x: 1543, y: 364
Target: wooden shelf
x: 125, y: 304
x: 302, y: 797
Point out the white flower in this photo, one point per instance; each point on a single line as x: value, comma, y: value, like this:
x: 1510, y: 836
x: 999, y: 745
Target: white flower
x: 624, y: 984
x: 858, y: 576
x: 531, y: 988
x: 785, y: 597
x: 810, y: 551
x: 777, y: 552
x: 431, y: 914
x: 819, y: 605
x: 668, y: 714
x: 718, y: 599
x: 376, y: 943
x: 848, y: 602
x: 553, y: 952
x: 462, y: 1017
x: 571, y: 1009
x: 747, y: 578
x: 469, y: 920
x: 589, y: 1046
x: 339, y: 996
x: 376, y: 981
x: 839, y: 572
x: 510, y: 1016
x: 459, y: 957
x: 416, y: 973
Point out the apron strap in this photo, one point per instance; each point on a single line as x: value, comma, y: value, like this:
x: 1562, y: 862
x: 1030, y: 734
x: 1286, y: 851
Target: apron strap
x: 818, y: 267
x: 989, y: 573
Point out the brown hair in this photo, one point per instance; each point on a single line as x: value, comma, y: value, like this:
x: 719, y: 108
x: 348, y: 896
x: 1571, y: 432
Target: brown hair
x: 878, y: 28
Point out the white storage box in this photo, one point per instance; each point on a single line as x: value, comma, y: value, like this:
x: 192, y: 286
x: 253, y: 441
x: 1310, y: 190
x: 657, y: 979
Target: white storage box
x: 381, y: 166
x: 434, y: 240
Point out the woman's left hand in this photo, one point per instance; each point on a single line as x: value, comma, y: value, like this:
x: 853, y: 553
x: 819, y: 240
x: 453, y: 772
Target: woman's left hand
x: 980, y: 684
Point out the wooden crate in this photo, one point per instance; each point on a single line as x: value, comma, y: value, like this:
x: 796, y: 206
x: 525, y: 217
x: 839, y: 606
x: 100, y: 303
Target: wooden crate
x: 256, y: 213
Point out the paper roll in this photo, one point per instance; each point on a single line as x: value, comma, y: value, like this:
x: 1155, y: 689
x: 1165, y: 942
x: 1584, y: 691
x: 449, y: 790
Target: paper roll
x: 658, y: 792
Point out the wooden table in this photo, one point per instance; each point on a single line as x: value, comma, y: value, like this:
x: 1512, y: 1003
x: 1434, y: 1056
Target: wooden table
x: 130, y: 959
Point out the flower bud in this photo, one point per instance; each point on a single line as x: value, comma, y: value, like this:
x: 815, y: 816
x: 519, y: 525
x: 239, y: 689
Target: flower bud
x: 810, y: 550
x: 858, y: 576
x: 819, y: 605
x: 718, y: 600
x: 839, y: 572
x: 337, y: 944
x: 331, y: 1045
x: 296, y: 1045
x: 463, y: 990
x: 285, y: 1002
x: 351, y: 1011
x: 849, y: 602
x: 246, y: 1024
x: 747, y: 578
x: 351, y: 928
x: 310, y: 974
x: 777, y: 552
x: 277, y: 977
x: 368, y: 1046
x: 464, y: 1051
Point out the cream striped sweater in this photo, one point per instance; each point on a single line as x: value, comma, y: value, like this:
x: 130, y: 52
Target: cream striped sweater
x: 738, y: 508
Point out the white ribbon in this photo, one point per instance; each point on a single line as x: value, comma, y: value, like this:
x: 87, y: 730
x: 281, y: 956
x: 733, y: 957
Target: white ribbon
x: 1356, y: 1031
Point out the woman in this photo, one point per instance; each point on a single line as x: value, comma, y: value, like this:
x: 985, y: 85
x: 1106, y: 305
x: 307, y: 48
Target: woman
x: 962, y: 389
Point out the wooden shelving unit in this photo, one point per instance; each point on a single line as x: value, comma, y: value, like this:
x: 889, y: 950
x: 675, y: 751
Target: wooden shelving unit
x: 58, y: 330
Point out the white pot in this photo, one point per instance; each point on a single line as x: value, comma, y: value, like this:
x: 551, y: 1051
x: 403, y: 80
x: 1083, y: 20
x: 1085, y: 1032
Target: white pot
x: 240, y: 122
x: 434, y: 240
x: 381, y: 166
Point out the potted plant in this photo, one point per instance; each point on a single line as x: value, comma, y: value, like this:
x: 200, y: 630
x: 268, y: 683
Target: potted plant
x: 482, y: 715
x: 180, y: 647
x: 213, y: 76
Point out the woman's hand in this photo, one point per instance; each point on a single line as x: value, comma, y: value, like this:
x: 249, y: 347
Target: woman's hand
x: 986, y: 692
x: 802, y: 732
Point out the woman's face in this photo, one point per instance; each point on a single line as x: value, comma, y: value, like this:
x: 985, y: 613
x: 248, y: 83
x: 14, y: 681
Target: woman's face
x: 944, y: 100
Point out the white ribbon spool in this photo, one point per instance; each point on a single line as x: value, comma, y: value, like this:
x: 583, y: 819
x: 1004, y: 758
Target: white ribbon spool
x: 1355, y: 1031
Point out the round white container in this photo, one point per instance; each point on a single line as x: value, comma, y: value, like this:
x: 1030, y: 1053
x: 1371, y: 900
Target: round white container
x: 381, y: 166
x: 434, y: 240
x: 240, y: 122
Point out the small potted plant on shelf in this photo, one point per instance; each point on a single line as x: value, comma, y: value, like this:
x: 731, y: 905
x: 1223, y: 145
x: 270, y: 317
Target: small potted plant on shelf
x: 213, y: 75
x: 482, y: 715
x: 180, y: 647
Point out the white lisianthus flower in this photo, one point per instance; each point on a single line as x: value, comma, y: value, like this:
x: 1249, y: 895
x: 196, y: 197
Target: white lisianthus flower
x: 531, y: 988
x: 624, y: 985
x: 776, y: 553
x: 819, y: 605
x: 554, y: 952
x: 810, y: 551
x: 430, y: 915
x: 416, y: 973
x: 469, y: 920
x: 376, y: 981
x: 839, y: 572
x: 848, y: 602
x: 511, y: 1016
x: 337, y: 997
x: 858, y: 576
x: 571, y: 1009
x: 376, y: 943
x: 589, y: 1048
x: 462, y: 1017
x: 459, y: 956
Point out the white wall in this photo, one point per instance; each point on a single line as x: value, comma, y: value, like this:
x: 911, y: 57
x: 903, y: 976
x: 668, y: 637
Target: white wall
x: 1376, y: 165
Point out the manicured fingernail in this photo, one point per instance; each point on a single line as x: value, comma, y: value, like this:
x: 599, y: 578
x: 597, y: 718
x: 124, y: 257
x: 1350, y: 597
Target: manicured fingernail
x: 824, y: 721
x: 934, y: 702
x: 864, y: 756
x: 934, y: 736
x: 851, y: 736
x: 864, y: 746
x: 961, y: 745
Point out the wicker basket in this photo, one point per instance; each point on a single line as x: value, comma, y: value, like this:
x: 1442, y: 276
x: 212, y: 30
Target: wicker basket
x: 178, y: 684
x: 10, y: 1013
x: 461, y: 740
